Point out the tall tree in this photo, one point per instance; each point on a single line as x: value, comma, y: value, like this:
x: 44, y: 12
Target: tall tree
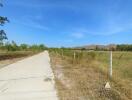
x: 3, y: 20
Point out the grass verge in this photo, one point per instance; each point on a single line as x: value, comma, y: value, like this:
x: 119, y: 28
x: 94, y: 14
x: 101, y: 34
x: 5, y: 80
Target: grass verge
x: 84, y: 78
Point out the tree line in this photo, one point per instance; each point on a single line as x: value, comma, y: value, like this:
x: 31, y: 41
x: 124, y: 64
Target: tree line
x: 13, y: 46
x: 124, y: 47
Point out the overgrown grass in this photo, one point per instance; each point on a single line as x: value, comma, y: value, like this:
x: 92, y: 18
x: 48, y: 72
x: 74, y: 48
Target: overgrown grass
x: 91, y: 68
x: 10, y: 57
x: 122, y: 61
x: 16, y: 54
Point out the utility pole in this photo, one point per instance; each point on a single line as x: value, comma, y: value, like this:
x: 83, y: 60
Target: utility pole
x: 110, y: 67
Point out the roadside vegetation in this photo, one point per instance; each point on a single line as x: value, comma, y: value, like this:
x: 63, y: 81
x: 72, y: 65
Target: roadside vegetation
x: 13, y: 46
x: 12, y: 52
x: 82, y: 75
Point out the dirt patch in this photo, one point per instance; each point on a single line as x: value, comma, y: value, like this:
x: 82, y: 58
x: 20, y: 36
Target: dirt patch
x: 65, y: 81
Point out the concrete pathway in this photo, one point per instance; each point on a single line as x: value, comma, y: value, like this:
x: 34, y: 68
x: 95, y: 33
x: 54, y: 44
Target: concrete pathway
x: 28, y: 79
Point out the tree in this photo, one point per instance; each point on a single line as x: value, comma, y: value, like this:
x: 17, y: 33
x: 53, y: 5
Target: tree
x: 3, y: 20
x: 8, y: 46
x: 1, y: 5
x: 42, y: 47
x: 14, y: 46
x: 24, y: 46
x: 2, y: 36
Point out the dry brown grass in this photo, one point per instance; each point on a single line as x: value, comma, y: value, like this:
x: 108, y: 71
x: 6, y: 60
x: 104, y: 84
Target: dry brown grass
x: 7, y: 58
x: 83, y: 79
x: 4, y: 63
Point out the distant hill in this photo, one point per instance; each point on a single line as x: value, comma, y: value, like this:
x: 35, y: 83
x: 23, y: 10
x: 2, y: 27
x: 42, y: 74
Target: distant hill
x: 98, y: 47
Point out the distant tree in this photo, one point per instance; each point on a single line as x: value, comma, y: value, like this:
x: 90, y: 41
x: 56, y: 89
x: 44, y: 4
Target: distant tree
x: 2, y: 36
x: 14, y: 46
x: 124, y: 47
x: 1, y: 5
x: 83, y: 49
x: 42, y: 47
x: 24, y: 46
x: 33, y: 47
x: 96, y: 47
x: 8, y: 46
x: 62, y: 47
x: 3, y: 20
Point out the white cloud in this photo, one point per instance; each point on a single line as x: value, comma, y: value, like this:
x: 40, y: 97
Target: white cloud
x: 105, y: 29
x: 77, y: 35
x: 30, y: 23
x: 66, y: 40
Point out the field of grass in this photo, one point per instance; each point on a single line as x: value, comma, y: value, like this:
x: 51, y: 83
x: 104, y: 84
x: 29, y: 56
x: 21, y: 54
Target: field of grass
x: 84, y: 77
x: 11, y: 57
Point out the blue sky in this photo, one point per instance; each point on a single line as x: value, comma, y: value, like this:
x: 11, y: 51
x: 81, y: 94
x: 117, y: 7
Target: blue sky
x: 68, y: 22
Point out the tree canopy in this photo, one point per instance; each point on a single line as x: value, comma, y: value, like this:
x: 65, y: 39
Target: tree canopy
x: 3, y: 20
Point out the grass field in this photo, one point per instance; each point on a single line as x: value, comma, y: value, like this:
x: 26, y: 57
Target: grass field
x: 11, y: 57
x: 84, y: 77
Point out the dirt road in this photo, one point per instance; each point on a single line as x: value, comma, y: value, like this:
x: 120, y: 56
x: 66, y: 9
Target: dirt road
x: 28, y: 79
